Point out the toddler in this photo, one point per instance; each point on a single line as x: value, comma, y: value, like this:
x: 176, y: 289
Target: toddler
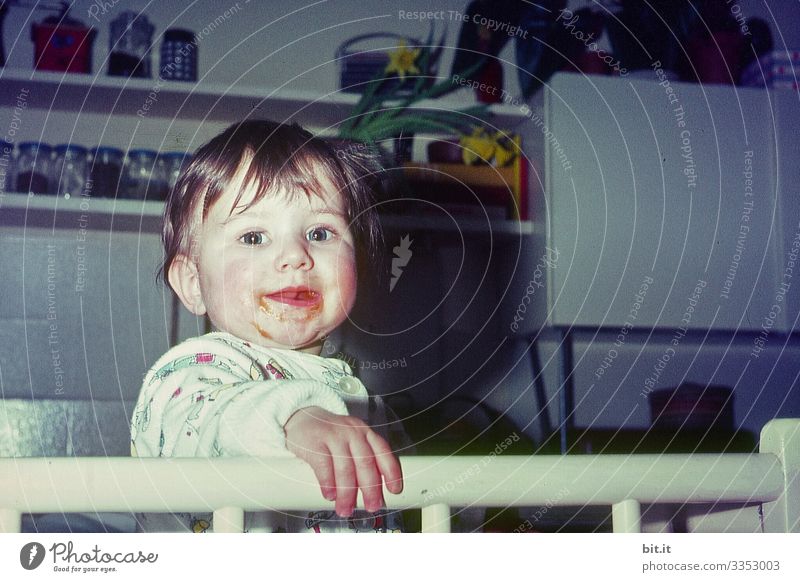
x: 263, y: 233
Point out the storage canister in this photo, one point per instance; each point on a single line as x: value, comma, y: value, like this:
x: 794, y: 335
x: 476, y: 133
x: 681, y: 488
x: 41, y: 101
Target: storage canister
x: 130, y: 38
x: 6, y: 167
x: 105, y: 171
x: 33, y: 167
x: 70, y: 169
x: 138, y: 174
x: 178, y: 55
x: 171, y: 164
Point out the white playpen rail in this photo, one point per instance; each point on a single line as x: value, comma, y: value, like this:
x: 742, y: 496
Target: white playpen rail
x: 230, y: 486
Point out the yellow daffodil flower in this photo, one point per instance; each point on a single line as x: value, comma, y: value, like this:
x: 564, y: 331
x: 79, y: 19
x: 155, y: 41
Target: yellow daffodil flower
x: 481, y: 146
x: 477, y: 147
x: 505, y: 152
x: 401, y: 61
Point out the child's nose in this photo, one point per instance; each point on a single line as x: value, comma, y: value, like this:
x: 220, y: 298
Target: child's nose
x: 294, y: 255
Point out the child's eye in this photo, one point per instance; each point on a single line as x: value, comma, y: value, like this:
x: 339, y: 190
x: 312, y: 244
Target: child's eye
x: 253, y: 238
x: 320, y: 234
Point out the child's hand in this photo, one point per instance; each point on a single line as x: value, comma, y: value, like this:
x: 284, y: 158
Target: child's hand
x: 346, y: 455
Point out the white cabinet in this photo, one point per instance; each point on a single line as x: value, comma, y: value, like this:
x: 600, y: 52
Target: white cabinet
x: 680, y: 206
x: 675, y: 213
x: 80, y: 317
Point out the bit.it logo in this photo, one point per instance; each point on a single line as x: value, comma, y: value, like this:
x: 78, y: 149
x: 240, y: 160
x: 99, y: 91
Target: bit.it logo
x: 31, y: 555
x: 402, y: 254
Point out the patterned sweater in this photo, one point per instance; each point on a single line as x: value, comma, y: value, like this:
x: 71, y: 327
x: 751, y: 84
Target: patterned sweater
x: 217, y: 395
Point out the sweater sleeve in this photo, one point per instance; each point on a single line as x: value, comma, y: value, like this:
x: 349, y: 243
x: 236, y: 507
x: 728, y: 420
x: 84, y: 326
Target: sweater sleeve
x: 207, y: 405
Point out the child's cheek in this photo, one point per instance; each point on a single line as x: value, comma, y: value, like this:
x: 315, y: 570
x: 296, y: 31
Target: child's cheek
x: 239, y: 280
x: 347, y: 278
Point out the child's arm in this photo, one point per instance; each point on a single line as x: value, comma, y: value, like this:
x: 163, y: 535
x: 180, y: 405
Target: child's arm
x: 202, y: 412
x: 346, y: 455
x: 195, y: 404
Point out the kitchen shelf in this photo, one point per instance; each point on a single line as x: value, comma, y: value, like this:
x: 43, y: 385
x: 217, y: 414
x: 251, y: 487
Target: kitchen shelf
x: 122, y: 97
x: 201, y: 101
x: 76, y: 204
x: 130, y: 213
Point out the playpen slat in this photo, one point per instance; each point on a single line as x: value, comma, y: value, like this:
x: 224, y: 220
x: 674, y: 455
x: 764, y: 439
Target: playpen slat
x: 10, y: 521
x: 229, y: 520
x: 781, y: 437
x: 436, y: 518
x: 153, y: 485
x: 626, y: 516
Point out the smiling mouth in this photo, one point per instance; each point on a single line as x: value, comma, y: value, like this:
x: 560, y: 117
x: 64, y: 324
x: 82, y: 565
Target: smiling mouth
x: 294, y: 296
x: 290, y: 304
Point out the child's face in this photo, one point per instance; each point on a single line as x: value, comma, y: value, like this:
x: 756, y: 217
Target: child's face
x: 281, y: 273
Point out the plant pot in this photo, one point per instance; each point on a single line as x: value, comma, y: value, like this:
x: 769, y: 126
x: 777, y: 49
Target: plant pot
x: 445, y: 151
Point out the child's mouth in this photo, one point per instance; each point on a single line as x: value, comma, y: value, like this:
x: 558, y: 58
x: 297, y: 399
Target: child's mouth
x: 294, y: 296
x: 298, y: 305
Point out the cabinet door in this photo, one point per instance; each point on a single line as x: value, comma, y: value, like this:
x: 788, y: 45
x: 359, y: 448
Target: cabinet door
x: 662, y: 203
x: 82, y: 316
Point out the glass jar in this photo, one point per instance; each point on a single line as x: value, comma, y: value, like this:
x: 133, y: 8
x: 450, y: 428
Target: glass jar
x: 138, y: 173
x: 130, y: 38
x: 33, y: 167
x: 159, y: 187
x: 170, y: 165
x: 105, y: 171
x: 70, y: 168
x: 7, y: 183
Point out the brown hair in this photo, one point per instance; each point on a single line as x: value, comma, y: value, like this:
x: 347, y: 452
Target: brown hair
x: 281, y: 156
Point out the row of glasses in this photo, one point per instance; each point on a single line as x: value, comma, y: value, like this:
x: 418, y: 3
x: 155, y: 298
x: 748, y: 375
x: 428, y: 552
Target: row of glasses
x: 69, y: 170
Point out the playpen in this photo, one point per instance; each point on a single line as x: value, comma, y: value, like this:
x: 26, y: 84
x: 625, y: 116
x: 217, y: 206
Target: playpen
x: 764, y: 486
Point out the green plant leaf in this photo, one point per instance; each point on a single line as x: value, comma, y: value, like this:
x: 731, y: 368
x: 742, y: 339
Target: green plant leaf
x: 380, y: 115
x: 448, y: 86
x: 417, y: 122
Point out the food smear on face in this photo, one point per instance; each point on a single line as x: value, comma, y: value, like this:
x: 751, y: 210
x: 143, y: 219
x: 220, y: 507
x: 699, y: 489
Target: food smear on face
x: 291, y: 304
x: 264, y: 333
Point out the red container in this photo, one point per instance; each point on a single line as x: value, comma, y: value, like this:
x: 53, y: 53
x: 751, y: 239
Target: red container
x: 62, y: 44
x: 718, y: 59
x: 692, y: 407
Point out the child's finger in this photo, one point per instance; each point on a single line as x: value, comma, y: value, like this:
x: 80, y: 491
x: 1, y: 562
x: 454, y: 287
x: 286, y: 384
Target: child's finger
x: 367, y: 475
x: 388, y: 465
x: 322, y: 464
x: 345, y: 476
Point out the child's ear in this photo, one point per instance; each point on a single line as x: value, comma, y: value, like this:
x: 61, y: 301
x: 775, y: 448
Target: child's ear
x: 184, y: 278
